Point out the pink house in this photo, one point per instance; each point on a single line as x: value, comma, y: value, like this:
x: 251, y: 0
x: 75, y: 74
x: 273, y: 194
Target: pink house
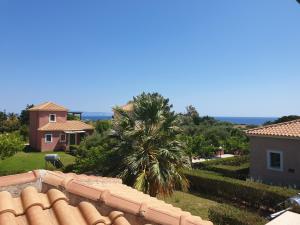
x: 50, y: 130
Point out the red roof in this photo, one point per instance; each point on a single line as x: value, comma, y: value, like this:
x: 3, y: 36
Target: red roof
x: 48, y: 106
x: 289, y: 129
x: 69, y: 125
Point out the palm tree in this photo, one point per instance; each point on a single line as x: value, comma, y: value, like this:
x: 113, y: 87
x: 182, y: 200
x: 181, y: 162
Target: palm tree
x: 147, y: 152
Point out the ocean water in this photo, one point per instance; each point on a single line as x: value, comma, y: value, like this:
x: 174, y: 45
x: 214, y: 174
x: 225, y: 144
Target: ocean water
x: 246, y: 120
x: 236, y: 120
x: 94, y: 118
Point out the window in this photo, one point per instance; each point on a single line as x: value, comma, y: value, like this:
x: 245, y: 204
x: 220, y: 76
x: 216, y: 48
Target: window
x: 52, y: 118
x: 275, y: 160
x: 63, y: 137
x: 48, y: 138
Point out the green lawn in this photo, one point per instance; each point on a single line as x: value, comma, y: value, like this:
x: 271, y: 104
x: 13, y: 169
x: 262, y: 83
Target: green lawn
x: 23, y: 161
x: 192, y: 203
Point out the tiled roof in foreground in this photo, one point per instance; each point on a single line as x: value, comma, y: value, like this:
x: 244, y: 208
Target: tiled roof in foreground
x: 48, y: 106
x: 53, y: 207
x: 46, y: 197
x: 69, y: 125
x: 289, y: 129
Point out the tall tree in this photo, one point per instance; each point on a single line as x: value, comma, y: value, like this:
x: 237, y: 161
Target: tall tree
x: 146, y: 152
x: 192, y: 112
x: 24, y: 116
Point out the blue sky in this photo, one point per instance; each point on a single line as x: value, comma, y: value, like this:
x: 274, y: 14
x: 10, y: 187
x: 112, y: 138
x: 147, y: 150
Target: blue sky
x: 227, y: 58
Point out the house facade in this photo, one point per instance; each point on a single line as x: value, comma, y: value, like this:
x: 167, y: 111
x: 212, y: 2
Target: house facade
x: 275, y: 153
x: 50, y: 130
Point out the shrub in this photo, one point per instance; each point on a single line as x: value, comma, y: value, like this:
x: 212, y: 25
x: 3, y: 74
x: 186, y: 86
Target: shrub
x: 228, y: 215
x: 89, y: 154
x: 252, y: 193
x: 10, y: 144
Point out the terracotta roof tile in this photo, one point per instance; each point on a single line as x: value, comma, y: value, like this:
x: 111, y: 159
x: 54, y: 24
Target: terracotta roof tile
x: 103, y: 191
x: 17, y: 179
x: 52, y: 208
x: 287, y: 129
x: 69, y: 125
x: 48, y: 106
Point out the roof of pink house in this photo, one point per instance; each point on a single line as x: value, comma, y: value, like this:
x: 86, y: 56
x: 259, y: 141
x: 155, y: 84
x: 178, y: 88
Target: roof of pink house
x: 289, y: 129
x: 48, y: 106
x: 69, y: 125
x: 54, y: 208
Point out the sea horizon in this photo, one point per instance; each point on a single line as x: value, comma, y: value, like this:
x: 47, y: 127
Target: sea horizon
x: 245, y: 120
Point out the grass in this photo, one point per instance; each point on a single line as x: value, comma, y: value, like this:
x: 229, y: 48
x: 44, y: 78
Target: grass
x: 26, y: 161
x: 192, y: 203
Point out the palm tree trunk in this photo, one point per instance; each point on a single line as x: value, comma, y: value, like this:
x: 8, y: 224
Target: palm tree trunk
x: 153, y: 193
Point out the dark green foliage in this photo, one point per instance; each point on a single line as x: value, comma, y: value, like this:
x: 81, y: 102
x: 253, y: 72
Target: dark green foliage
x: 24, y: 115
x: 3, y: 116
x: 8, y: 122
x: 10, y: 144
x: 193, y: 114
x: 72, y: 117
x: 283, y: 119
x: 251, y: 193
x: 224, y: 214
x: 102, y: 126
x: 24, y: 132
x: 90, y: 154
x: 205, y: 135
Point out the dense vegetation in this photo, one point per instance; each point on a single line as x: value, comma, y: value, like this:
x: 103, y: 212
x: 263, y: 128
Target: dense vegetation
x: 11, y: 122
x: 205, y: 135
x: 10, y: 144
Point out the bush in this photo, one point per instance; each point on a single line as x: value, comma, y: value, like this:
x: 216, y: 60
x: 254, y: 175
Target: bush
x: 228, y: 215
x: 251, y: 193
x: 10, y: 144
x: 90, y: 153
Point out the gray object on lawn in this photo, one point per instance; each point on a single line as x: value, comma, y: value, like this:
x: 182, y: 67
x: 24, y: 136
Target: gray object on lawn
x: 54, y: 159
x: 292, y: 203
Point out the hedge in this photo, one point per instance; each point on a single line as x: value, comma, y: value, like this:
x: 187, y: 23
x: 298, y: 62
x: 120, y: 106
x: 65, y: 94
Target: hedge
x: 237, y: 172
x: 224, y: 214
x: 234, y: 167
x: 231, y: 161
x: 254, y: 194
